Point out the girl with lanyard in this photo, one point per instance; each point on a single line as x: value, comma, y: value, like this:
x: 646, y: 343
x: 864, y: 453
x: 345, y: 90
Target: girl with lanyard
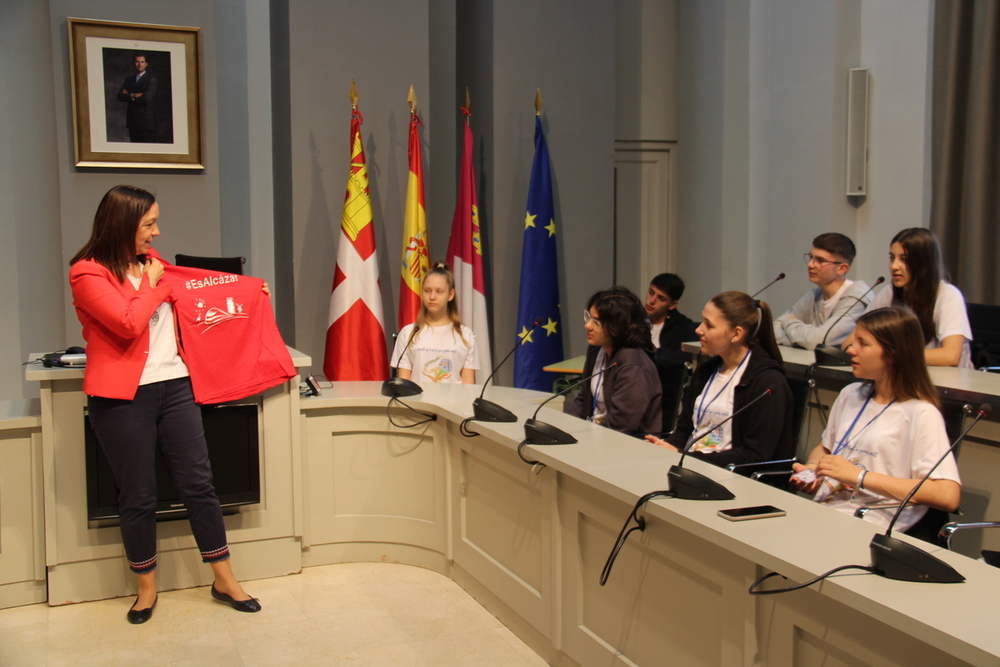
x: 628, y: 396
x: 884, y: 434
x: 737, y: 332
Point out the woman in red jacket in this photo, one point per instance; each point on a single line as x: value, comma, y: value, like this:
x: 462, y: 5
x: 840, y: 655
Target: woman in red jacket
x: 139, y: 392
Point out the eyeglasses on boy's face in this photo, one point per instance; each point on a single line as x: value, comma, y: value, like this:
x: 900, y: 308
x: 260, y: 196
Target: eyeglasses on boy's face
x: 588, y: 318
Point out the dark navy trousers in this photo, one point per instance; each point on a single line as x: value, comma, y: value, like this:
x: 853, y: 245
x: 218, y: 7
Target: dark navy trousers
x: 162, y: 414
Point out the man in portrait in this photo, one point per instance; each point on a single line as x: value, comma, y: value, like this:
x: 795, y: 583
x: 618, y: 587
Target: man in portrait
x: 138, y: 91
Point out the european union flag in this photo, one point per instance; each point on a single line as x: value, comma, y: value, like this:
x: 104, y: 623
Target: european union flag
x: 538, y: 299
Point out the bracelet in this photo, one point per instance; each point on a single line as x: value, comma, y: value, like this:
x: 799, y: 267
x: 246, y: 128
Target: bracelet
x: 861, y: 479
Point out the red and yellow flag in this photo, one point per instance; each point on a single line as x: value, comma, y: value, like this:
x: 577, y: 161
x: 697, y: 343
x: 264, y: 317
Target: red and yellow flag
x: 355, y: 338
x: 416, y: 255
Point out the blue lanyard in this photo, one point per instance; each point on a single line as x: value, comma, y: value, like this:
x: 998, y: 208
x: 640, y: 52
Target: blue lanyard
x: 701, y: 405
x: 600, y: 379
x: 843, y: 439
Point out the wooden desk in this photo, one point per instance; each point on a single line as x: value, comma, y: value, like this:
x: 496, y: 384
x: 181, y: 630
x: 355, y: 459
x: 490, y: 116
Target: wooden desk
x: 573, y: 366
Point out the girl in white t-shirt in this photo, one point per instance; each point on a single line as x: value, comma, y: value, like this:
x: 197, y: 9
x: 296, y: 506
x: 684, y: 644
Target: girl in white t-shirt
x: 884, y: 435
x: 920, y: 281
x: 437, y: 347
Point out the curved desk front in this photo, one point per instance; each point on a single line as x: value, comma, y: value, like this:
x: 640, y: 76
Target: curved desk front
x: 347, y: 482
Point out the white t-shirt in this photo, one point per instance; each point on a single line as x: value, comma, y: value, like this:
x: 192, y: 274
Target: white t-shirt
x: 162, y: 361
x: 436, y: 354
x: 902, y: 440
x: 655, y: 330
x: 713, y: 406
x: 828, y: 304
x: 950, y: 318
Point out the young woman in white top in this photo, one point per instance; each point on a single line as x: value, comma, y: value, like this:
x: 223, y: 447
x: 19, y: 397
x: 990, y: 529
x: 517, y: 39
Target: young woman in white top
x: 886, y: 433
x: 437, y: 347
x: 919, y: 281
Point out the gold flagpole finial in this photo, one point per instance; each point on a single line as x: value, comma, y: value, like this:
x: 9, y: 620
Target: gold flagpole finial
x: 538, y: 102
x: 354, y: 95
x: 412, y: 100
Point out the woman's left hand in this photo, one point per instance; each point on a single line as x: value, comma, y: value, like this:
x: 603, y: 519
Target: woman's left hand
x: 265, y: 289
x: 838, y: 468
x: 661, y: 443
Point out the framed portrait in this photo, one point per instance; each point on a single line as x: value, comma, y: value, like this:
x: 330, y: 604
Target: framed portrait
x: 137, y: 99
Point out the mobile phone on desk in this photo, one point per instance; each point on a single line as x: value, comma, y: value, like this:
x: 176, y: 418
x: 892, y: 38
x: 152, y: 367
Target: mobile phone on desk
x: 747, y: 513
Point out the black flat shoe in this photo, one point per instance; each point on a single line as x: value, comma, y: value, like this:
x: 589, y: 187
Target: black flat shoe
x: 139, y: 616
x: 250, y: 606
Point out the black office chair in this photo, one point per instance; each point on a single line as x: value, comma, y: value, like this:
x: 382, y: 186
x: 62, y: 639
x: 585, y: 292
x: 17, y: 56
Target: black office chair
x: 948, y: 531
x: 224, y: 264
x: 777, y: 473
x: 985, y: 322
x: 673, y: 375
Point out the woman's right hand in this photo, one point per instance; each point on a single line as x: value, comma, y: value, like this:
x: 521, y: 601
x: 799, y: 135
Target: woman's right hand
x: 805, y: 487
x: 154, y: 269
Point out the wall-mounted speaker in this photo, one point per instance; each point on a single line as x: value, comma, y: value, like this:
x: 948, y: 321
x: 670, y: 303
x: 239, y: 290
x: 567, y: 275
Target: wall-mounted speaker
x: 857, y: 132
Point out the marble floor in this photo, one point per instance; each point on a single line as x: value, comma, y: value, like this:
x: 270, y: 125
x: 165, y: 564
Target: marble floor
x: 358, y: 614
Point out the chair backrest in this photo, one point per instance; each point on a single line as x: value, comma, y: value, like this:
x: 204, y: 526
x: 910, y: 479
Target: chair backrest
x: 985, y: 322
x: 673, y: 375
x: 224, y: 264
x: 800, y: 401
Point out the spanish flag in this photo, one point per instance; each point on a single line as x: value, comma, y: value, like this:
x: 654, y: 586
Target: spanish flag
x: 355, y: 338
x: 416, y: 256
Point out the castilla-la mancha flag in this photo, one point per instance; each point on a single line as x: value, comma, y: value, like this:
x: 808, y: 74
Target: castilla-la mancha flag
x: 416, y: 255
x: 465, y: 255
x: 355, y: 338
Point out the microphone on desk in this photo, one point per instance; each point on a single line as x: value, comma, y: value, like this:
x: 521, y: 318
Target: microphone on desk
x: 691, y: 485
x: 396, y: 386
x: 781, y: 276
x: 488, y: 411
x: 540, y: 433
x: 895, y: 559
x: 831, y: 355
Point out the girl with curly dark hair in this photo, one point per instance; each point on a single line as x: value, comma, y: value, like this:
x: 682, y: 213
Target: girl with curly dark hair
x: 627, y: 397
x: 737, y: 331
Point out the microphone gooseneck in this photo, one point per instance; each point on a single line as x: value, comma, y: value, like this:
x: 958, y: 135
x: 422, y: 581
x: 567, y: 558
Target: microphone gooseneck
x: 488, y: 411
x: 781, y: 276
x: 396, y: 386
x: 831, y: 355
x: 895, y: 559
x: 540, y: 433
x: 691, y: 485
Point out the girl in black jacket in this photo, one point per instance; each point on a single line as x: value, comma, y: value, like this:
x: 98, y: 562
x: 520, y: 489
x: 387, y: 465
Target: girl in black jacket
x: 737, y: 331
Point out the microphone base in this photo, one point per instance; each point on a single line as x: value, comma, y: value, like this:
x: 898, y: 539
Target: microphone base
x: 895, y: 559
x: 830, y: 355
x: 488, y: 411
x: 399, y: 387
x: 691, y: 485
x: 540, y: 433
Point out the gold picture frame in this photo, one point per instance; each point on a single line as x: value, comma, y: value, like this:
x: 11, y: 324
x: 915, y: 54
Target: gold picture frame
x: 137, y: 95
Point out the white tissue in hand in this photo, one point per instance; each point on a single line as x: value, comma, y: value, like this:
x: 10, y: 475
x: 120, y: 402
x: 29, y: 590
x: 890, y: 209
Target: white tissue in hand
x: 807, y: 476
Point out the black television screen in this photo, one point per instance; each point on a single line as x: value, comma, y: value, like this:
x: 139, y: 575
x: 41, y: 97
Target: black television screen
x: 232, y: 435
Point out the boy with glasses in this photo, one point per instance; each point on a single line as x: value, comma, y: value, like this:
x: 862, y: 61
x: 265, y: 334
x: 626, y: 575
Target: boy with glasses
x: 809, y: 321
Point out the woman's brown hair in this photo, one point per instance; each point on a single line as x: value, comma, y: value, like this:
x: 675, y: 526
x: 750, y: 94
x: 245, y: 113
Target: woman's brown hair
x: 923, y: 262
x: 740, y: 310
x: 897, y: 330
x: 112, y: 239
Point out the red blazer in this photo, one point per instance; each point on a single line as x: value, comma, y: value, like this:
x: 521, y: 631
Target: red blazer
x: 115, y: 318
